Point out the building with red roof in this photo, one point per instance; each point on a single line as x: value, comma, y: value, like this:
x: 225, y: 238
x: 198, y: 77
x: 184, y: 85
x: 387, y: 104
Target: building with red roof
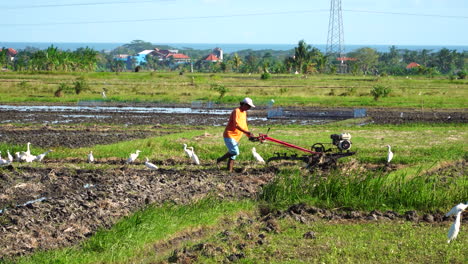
x: 412, y: 65
x: 11, y: 53
x: 178, y: 57
x: 211, y: 58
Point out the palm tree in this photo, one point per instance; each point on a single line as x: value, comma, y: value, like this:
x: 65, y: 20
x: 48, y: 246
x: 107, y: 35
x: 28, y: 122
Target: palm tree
x: 301, y: 54
x: 237, y: 61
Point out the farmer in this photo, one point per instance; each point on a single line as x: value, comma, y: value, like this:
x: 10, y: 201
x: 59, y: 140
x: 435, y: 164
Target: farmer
x: 235, y: 128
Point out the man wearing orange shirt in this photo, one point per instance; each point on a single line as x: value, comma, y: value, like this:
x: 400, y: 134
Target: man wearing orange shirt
x: 236, y: 127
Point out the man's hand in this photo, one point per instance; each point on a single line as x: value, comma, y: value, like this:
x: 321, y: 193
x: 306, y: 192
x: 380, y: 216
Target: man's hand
x: 249, y: 134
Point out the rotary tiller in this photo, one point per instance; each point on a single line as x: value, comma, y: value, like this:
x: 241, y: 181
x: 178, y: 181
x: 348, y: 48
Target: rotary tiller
x: 318, y: 156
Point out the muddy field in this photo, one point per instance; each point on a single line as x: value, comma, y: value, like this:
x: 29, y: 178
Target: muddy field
x: 136, y: 115
x: 59, y: 205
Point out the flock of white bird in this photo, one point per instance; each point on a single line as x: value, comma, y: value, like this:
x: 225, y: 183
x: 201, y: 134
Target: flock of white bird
x: 23, y: 156
x: 26, y: 156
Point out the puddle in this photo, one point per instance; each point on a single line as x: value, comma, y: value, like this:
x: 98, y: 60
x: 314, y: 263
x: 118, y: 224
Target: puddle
x: 27, y: 203
x: 114, y: 109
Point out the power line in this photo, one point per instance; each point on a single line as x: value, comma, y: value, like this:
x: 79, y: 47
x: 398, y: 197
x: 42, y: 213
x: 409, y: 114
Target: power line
x: 403, y: 14
x: 229, y: 16
x: 168, y: 18
x: 82, y: 4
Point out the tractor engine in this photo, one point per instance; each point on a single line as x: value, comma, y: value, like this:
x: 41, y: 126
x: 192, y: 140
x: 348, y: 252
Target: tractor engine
x: 342, y: 141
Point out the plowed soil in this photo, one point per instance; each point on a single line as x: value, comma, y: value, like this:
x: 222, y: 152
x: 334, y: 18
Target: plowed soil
x: 55, y: 205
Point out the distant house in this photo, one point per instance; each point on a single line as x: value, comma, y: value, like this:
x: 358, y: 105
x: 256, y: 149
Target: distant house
x: 178, y: 57
x: 219, y: 53
x: 161, y: 55
x: 122, y: 57
x: 215, y: 56
x: 412, y: 65
x: 11, y: 53
x: 211, y: 58
x: 140, y: 58
x: 174, y: 55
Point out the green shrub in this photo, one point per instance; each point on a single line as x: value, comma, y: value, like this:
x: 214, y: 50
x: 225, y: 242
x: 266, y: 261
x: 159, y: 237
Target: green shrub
x: 461, y: 74
x: 80, y: 85
x: 62, y: 88
x: 220, y: 89
x: 265, y: 76
x: 380, y: 91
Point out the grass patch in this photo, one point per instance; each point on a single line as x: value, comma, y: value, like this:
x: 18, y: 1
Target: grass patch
x: 133, y: 234
x: 367, y: 190
x: 287, y: 90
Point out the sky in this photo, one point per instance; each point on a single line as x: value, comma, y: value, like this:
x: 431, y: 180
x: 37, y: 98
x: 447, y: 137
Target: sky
x: 365, y: 22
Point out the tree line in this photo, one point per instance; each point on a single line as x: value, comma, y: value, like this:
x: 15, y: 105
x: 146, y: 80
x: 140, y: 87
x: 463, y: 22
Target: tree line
x: 303, y: 59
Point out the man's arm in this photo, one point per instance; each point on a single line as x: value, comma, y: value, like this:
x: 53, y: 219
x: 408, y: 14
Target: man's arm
x: 247, y: 133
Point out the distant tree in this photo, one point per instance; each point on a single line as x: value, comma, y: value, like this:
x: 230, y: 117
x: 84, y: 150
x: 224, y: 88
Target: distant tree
x: 236, y: 61
x: 251, y: 62
x: 301, y: 55
x: 137, y: 46
x: 367, y: 58
x: 3, y: 58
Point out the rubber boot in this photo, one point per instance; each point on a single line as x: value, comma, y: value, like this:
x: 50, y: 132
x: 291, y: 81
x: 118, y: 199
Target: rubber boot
x: 230, y: 165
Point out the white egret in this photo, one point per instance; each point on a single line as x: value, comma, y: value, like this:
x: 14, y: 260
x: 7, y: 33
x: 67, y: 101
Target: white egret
x: 90, y: 157
x: 4, y: 162
x: 257, y: 156
x: 40, y: 157
x: 194, y: 157
x: 455, y: 228
x: 389, y: 154
x: 150, y: 165
x: 187, y: 151
x: 28, y: 158
x: 17, y: 156
x: 103, y: 94
x: 133, y: 156
x: 28, y: 151
x: 10, y: 158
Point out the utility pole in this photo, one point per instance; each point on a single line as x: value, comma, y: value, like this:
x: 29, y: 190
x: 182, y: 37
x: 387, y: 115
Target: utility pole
x: 335, y: 40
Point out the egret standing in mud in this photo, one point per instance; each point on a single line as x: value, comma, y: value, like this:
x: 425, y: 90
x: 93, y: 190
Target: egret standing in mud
x: 389, y: 154
x: 133, y: 156
x: 40, y: 157
x: 187, y: 151
x: 455, y: 228
x: 257, y: 156
x: 90, y: 157
x: 150, y: 165
x: 194, y: 157
x: 10, y: 158
x: 28, y: 150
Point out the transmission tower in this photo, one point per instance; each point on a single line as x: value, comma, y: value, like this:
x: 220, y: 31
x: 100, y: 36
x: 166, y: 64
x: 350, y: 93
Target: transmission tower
x: 335, y: 40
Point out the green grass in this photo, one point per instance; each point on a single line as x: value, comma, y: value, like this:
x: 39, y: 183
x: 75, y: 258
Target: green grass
x: 344, y: 242
x: 417, y: 148
x: 287, y: 90
x: 132, y: 235
x: 367, y: 190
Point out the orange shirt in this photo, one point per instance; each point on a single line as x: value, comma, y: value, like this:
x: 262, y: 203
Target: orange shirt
x: 238, y: 118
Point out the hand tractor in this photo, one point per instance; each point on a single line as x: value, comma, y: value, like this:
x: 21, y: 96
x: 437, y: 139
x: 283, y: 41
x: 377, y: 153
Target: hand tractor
x: 318, y: 156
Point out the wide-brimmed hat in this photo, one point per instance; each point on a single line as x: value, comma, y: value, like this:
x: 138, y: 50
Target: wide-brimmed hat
x: 248, y: 101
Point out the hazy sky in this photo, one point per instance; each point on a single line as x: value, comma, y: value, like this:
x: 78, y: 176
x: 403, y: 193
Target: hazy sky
x: 385, y: 22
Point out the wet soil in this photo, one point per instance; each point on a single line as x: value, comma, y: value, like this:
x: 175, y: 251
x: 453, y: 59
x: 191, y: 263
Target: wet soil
x: 59, y: 205
x: 257, y: 117
x: 73, y: 136
x: 76, y: 202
